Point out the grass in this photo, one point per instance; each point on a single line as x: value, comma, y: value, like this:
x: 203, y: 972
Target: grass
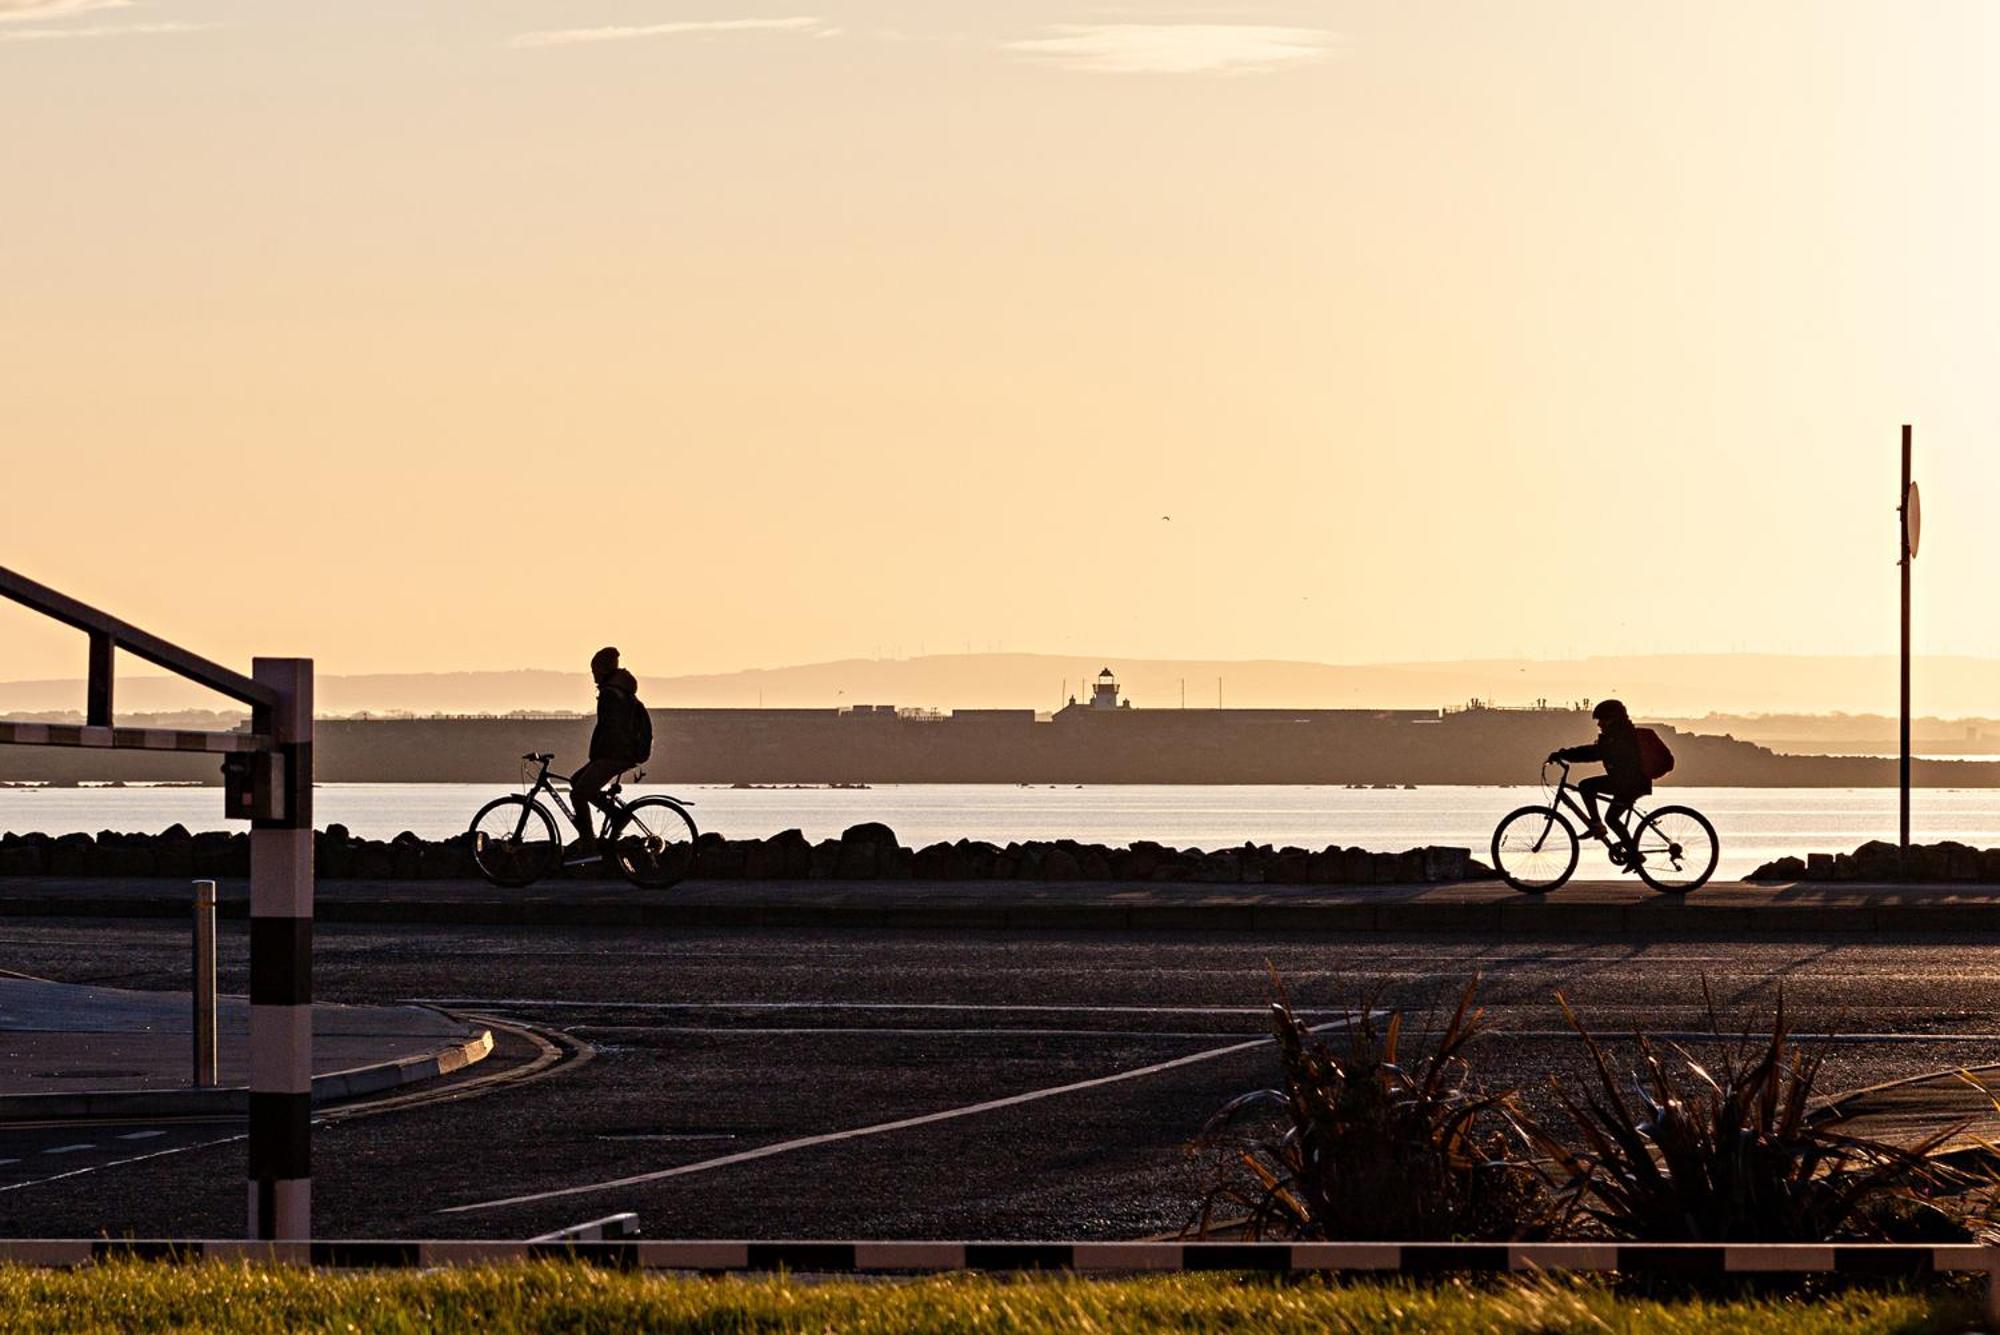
x: 218, y: 1297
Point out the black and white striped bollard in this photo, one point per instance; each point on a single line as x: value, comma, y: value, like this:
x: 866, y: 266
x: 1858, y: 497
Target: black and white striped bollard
x: 281, y: 912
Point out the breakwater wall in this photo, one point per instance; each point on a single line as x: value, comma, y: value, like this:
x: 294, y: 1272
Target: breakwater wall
x: 862, y: 853
x: 1193, y: 746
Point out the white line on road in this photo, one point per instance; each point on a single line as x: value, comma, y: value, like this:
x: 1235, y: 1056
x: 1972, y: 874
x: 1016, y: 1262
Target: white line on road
x: 120, y: 1163
x: 882, y: 1128
x: 1076, y: 1008
x: 141, y: 1135
x: 863, y: 1030
x: 70, y: 1149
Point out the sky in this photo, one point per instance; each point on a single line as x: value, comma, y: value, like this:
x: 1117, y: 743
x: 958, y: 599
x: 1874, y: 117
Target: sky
x: 477, y: 335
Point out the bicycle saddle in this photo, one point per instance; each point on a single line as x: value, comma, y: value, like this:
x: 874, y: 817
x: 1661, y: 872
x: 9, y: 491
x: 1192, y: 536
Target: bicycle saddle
x: 536, y: 757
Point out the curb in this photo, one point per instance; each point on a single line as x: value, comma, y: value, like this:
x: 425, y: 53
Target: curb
x: 332, y: 1088
x: 1877, y: 1260
x: 1709, y: 912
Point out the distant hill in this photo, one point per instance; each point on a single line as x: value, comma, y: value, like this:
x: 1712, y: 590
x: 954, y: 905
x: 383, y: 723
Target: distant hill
x: 1688, y: 686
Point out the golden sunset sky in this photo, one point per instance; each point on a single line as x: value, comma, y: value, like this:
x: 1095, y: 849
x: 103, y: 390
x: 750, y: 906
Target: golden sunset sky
x: 475, y: 335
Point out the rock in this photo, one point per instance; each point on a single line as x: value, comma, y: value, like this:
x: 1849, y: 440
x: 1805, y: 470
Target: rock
x: 934, y: 863
x: 825, y: 859
x: 865, y: 849
x: 70, y: 855
x: 21, y: 859
x: 764, y: 860
x: 1357, y: 866
x: 1138, y: 862
x: 1288, y: 866
x: 1061, y: 865
x: 1877, y: 860
x: 1784, y: 869
x: 1221, y: 868
x: 1446, y: 864
x: 1819, y: 866
x: 719, y: 859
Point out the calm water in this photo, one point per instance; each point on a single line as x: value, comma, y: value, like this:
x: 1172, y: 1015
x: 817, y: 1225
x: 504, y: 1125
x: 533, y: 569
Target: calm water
x: 1755, y: 824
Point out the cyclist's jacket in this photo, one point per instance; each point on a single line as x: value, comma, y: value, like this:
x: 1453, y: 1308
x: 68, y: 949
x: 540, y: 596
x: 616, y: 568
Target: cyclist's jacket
x: 1617, y: 749
x: 624, y: 730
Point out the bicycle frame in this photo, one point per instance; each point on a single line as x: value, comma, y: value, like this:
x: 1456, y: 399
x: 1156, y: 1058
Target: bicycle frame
x: 1564, y: 799
x: 615, y: 811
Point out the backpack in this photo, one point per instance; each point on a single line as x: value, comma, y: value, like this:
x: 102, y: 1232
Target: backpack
x: 639, y: 727
x: 1655, y: 760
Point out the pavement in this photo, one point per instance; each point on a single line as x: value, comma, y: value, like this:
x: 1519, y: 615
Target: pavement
x: 874, y: 1082
x: 1963, y: 1105
x: 69, y: 1051
x: 1603, y: 908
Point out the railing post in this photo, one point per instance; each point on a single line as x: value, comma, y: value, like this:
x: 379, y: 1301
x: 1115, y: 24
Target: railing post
x: 281, y: 912
x: 204, y: 984
x: 98, y: 686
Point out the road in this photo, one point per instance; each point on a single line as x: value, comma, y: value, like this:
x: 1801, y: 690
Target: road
x: 883, y: 1084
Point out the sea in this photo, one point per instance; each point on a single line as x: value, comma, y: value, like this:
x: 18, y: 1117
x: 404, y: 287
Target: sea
x: 1754, y: 825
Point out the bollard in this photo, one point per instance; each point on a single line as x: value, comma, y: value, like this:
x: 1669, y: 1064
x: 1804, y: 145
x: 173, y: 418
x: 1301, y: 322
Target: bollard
x: 204, y: 985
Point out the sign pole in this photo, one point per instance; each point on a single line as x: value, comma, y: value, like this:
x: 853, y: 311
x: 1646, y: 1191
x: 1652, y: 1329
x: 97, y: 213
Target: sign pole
x: 1910, y: 516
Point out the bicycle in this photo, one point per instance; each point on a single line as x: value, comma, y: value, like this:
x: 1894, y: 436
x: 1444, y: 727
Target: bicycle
x: 1535, y: 848
x: 516, y: 841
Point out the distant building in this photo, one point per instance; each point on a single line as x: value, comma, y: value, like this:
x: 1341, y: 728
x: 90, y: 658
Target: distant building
x: 1106, y: 694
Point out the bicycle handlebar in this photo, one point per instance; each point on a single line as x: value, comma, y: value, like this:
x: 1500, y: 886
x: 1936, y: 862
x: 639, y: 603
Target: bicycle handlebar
x: 539, y: 757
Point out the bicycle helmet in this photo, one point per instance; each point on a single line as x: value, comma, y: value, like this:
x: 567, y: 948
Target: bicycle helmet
x: 1610, y: 709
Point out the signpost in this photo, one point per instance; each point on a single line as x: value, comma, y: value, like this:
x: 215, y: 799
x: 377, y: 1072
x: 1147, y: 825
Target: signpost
x: 1911, y: 511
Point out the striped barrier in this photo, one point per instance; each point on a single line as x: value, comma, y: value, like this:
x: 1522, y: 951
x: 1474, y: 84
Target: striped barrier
x: 131, y: 739
x: 1684, y: 1260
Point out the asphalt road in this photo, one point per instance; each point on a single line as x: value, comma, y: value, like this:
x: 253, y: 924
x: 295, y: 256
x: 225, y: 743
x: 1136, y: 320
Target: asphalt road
x: 880, y: 1084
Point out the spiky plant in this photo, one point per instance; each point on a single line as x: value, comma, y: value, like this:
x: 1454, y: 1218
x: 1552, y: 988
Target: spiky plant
x: 1733, y: 1153
x: 1363, y: 1143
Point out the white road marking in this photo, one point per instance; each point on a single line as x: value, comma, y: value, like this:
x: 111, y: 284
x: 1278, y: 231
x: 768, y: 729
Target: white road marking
x: 120, y: 1163
x: 70, y: 1149
x: 907, y: 1034
x: 882, y: 1128
x: 1079, y: 1008
x: 141, y: 1135
x: 4, y: 1162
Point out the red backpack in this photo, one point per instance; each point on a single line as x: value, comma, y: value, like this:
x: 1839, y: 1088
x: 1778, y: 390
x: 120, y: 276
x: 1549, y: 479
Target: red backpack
x: 1655, y: 760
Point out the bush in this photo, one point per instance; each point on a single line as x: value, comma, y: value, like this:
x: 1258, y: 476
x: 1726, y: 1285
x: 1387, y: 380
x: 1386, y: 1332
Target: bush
x: 1734, y: 1155
x: 1367, y: 1145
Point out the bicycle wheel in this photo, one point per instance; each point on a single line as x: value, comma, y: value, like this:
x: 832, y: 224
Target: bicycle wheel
x: 514, y: 841
x: 654, y: 843
x: 1678, y: 849
x: 1534, y: 849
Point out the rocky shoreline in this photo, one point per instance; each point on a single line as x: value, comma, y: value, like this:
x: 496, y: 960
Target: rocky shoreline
x: 1878, y: 860
x: 865, y: 852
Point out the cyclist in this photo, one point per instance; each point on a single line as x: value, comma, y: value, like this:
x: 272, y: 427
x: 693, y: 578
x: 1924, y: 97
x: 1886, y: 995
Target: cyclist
x: 1624, y: 779
x: 622, y: 739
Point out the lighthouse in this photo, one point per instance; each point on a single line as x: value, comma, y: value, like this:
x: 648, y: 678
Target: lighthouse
x: 1105, y: 696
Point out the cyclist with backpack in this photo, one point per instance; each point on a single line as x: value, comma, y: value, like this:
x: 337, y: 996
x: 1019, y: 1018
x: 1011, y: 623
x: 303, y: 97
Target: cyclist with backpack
x: 1632, y: 758
x: 622, y: 739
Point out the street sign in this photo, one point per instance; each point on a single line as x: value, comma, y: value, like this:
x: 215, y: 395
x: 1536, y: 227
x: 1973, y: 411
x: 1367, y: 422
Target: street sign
x: 1915, y: 514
